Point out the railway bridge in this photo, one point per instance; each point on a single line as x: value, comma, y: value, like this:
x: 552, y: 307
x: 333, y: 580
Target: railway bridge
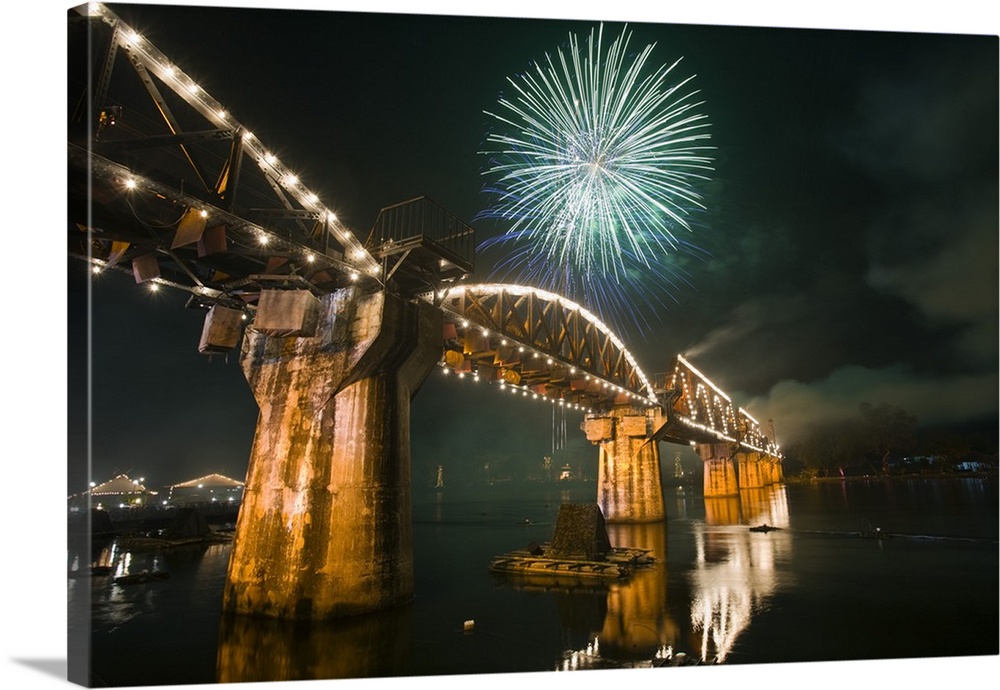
x: 337, y: 331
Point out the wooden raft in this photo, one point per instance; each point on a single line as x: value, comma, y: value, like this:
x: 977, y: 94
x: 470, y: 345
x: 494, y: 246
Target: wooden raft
x: 618, y: 563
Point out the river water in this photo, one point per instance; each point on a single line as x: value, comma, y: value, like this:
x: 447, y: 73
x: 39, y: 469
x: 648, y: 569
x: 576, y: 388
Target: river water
x: 816, y: 589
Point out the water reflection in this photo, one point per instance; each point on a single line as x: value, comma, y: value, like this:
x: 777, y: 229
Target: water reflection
x: 734, y: 571
x: 114, y: 574
x: 617, y: 624
x: 697, y: 604
x: 259, y: 649
x: 637, y: 624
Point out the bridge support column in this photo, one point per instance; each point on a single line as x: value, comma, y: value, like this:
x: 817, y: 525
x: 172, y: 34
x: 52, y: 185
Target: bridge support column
x: 629, y: 489
x: 325, y: 525
x: 720, y: 474
x: 777, y: 472
x: 752, y: 471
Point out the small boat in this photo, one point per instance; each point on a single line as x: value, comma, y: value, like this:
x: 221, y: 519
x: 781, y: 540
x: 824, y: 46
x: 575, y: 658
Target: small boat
x: 869, y: 532
x: 764, y: 528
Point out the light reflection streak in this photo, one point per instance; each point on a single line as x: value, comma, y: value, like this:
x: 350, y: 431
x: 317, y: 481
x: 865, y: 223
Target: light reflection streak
x: 735, y: 570
x: 636, y: 629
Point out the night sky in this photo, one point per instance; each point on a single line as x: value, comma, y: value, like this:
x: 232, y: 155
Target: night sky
x: 849, y: 246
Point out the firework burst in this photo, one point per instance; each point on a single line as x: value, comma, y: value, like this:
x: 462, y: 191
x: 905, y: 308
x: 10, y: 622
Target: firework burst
x: 595, y: 164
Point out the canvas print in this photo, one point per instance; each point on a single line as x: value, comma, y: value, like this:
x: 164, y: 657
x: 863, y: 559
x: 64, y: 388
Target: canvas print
x: 425, y: 345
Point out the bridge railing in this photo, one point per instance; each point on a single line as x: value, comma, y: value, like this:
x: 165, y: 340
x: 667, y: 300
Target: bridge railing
x: 422, y: 245
x: 421, y: 217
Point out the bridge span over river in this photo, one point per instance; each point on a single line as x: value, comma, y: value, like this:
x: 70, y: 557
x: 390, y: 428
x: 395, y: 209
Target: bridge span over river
x: 337, y: 332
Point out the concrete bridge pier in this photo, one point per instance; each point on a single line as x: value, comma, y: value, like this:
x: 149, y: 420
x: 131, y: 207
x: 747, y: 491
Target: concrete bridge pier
x: 629, y: 489
x: 752, y: 470
x: 325, y: 526
x: 777, y: 472
x: 720, y: 473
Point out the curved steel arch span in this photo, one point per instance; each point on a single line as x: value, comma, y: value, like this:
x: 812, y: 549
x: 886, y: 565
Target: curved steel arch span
x: 540, y: 343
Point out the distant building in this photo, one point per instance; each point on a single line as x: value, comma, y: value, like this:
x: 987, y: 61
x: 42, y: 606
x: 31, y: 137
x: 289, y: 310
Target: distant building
x: 120, y: 492
x: 212, y: 488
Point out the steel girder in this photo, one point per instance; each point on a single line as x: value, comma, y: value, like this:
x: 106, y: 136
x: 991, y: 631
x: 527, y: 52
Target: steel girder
x: 700, y: 412
x: 541, y: 343
x: 149, y: 149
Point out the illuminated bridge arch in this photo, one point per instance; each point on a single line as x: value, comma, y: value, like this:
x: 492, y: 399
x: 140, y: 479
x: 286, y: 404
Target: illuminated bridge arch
x: 539, y: 343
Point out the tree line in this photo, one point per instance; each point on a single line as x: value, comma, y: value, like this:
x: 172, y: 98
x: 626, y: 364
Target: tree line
x: 885, y: 439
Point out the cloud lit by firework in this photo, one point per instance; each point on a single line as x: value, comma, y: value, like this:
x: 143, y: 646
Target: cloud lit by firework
x: 595, y: 166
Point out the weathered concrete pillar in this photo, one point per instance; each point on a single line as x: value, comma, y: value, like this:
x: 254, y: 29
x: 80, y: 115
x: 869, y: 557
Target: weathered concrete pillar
x: 325, y: 525
x: 629, y: 488
x: 720, y: 475
x: 777, y: 472
x: 751, y: 470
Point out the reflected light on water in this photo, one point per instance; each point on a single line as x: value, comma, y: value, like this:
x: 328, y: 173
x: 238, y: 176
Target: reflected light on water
x: 735, y: 570
x: 366, y: 646
x: 637, y: 623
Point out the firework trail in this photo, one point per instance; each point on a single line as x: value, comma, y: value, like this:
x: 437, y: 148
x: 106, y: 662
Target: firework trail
x: 594, y: 165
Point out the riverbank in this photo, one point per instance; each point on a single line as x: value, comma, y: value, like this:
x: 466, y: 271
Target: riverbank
x: 881, y: 477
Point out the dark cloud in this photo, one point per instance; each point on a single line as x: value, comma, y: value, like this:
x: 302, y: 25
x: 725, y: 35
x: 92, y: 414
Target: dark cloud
x: 895, y: 292
x: 799, y: 407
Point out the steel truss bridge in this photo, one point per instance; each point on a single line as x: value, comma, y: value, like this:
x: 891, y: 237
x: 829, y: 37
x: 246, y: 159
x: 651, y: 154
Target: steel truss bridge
x: 166, y: 184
